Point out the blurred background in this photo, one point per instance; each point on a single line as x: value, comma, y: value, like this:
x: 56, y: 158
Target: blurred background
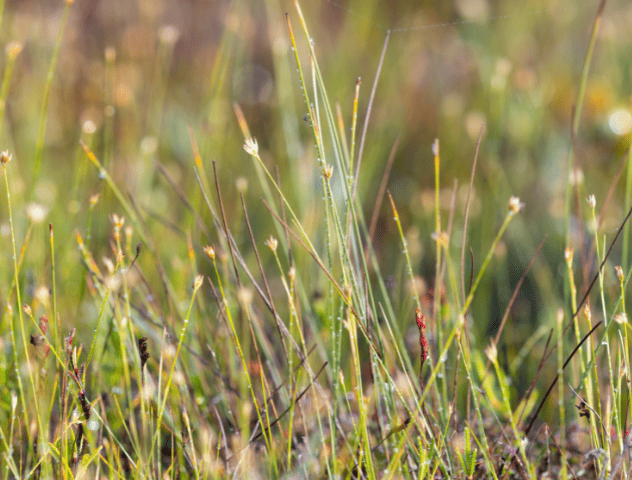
x: 132, y: 77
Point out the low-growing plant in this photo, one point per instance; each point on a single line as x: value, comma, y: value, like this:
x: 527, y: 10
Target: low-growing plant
x: 175, y: 345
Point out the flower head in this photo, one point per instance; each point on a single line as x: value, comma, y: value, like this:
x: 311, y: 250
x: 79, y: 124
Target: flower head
x: 251, y: 146
x: 515, y: 206
x: 5, y: 157
x: 492, y: 352
x: 272, y: 243
x: 210, y: 252
x: 591, y: 201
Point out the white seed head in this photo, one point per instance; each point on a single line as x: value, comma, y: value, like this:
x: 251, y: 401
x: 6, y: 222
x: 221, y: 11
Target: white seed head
x: 492, y: 352
x: 621, y: 318
x: 210, y: 252
x: 515, y: 206
x: 272, y: 243
x: 591, y: 201
x: 251, y: 146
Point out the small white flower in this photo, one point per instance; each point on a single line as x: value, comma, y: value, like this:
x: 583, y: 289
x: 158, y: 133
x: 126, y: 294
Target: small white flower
x: 251, y: 146
x: 272, y: 243
x: 492, y: 352
x: 621, y: 318
x: 515, y: 206
x: 591, y: 201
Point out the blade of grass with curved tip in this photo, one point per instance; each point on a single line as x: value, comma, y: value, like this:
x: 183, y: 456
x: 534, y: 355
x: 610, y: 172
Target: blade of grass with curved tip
x: 365, y: 126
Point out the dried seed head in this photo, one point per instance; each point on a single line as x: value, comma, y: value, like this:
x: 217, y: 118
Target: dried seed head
x: 210, y: 252
x: 27, y: 309
x: 272, y: 243
x: 142, y: 351
x: 117, y: 221
x: 251, y: 147
x: 329, y: 170
x: 591, y: 201
x: 619, y: 271
x: 94, y: 199
x: 515, y: 206
x: 621, y: 318
x: 492, y: 352
x: 292, y: 274
x: 587, y: 312
x: 441, y: 238
x: 5, y: 157
x: 199, y: 279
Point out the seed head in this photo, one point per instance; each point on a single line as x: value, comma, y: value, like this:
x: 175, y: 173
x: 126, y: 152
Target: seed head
x: 5, y: 157
x: 272, y: 243
x: 492, y: 352
x: 329, y: 170
x: 515, y: 206
x: 591, y: 201
x: 619, y: 271
x: 117, y: 221
x: 199, y: 280
x: 210, y: 252
x: 441, y: 238
x: 252, y: 147
x: 621, y: 318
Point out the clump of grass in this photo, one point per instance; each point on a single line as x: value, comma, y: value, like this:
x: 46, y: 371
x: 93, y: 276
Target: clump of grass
x: 171, y: 345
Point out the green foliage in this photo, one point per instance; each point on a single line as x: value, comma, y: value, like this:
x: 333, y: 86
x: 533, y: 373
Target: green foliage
x: 308, y: 245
